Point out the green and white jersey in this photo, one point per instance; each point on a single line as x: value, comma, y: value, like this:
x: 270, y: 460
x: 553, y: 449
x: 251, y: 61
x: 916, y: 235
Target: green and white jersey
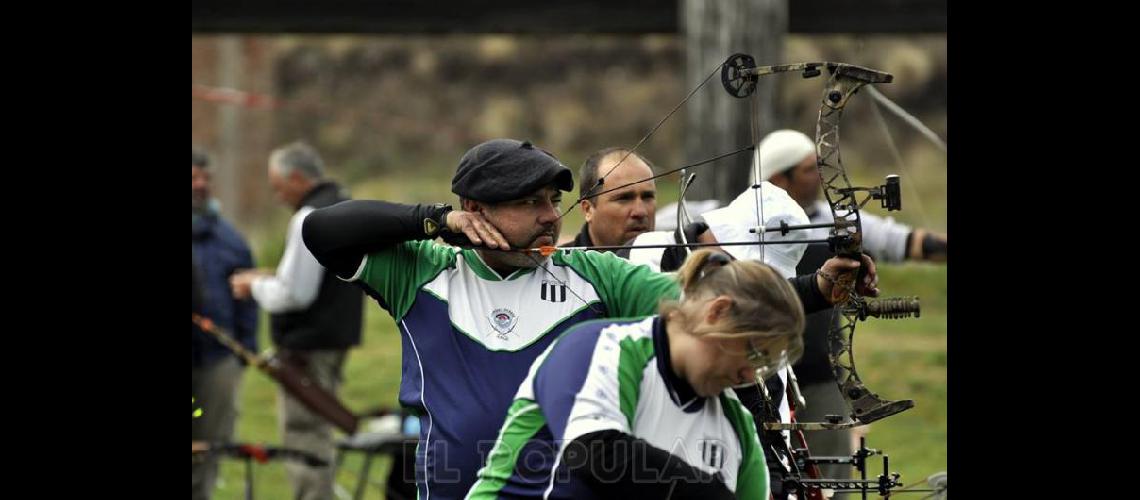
x: 603, y: 375
x: 469, y: 336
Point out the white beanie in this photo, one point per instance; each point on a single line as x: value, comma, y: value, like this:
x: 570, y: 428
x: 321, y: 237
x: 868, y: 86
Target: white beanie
x: 781, y: 150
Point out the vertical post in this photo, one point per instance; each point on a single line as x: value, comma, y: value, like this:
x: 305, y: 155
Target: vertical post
x: 863, y: 465
x: 227, y: 179
x: 716, y: 122
x: 363, y: 482
x: 248, y: 477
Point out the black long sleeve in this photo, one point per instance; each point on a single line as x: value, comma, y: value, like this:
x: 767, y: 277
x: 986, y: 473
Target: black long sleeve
x: 339, y: 236
x: 808, y: 289
x: 617, y: 465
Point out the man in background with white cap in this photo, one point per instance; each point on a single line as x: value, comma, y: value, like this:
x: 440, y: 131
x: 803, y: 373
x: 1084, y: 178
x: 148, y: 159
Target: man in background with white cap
x: 788, y: 160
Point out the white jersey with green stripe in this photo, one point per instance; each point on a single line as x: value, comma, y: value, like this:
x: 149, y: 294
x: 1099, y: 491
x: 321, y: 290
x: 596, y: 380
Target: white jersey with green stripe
x: 605, y: 375
x: 469, y: 335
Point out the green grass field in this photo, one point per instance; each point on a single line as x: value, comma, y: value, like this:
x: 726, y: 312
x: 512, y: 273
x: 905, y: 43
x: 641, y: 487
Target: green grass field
x: 898, y: 359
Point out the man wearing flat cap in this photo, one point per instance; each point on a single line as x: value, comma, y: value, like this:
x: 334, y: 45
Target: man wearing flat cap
x: 473, y: 317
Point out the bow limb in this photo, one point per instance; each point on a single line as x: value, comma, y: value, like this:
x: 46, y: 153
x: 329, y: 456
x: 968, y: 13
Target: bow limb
x: 842, y: 198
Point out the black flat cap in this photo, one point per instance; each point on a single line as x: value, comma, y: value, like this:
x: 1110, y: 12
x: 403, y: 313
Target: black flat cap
x: 507, y: 169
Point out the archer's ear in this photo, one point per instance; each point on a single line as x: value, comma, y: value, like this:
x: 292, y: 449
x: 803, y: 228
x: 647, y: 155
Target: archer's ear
x: 587, y: 209
x: 473, y: 206
x: 718, y: 309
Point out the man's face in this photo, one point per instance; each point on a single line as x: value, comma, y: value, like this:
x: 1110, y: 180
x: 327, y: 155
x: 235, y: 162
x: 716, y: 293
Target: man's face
x: 199, y: 186
x: 528, y: 222
x: 802, y: 183
x: 619, y: 216
x: 286, y: 188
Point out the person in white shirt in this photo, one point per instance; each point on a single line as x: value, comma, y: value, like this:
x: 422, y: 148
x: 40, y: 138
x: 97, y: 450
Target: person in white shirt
x: 314, y: 317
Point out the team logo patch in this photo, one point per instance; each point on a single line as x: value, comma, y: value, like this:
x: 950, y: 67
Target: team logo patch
x: 503, y: 321
x: 553, y: 292
x: 712, y: 453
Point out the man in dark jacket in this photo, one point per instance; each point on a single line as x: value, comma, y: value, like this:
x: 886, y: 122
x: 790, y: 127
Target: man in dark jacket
x: 314, y: 316
x: 217, y: 251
